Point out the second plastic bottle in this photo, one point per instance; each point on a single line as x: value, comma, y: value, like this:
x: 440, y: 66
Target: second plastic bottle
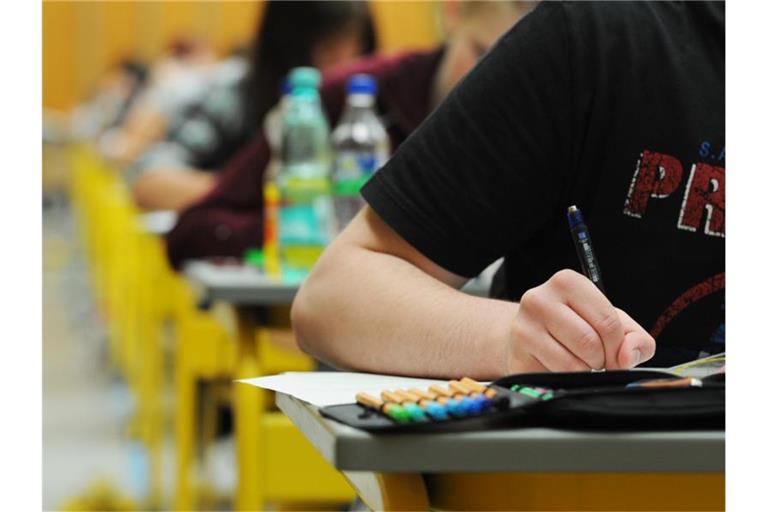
x: 362, y: 146
x: 305, y: 213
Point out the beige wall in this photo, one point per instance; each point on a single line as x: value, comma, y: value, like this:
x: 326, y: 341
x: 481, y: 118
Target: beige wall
x: 82, y: 39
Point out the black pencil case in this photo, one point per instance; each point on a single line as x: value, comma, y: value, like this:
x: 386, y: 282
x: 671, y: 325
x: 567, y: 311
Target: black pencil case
x: 579, y: 400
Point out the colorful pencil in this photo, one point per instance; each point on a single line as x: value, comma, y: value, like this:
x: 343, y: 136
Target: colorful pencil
x: 415, y: 412
x: 433, y: 409
x: 451, y: 405
x: 394, y: 411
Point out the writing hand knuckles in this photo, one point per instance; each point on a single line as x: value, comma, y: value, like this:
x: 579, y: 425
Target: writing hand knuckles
x: 533, y: 301
x: 563, y: 280
x: 589, y: 344
x: 610, y: 325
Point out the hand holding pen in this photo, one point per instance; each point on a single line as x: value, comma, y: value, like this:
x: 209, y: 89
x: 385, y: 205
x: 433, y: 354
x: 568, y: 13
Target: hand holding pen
x: 568, y: 324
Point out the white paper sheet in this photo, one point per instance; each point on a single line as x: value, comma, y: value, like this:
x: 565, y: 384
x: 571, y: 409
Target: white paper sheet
x: 332, y: 388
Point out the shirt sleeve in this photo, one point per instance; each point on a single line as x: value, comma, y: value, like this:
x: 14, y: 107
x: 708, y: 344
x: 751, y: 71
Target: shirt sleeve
x: 212, y: 231
x: 486, y: 169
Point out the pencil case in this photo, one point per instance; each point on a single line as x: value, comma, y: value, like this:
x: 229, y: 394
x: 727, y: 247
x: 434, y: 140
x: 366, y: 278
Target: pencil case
x: 611, y: 400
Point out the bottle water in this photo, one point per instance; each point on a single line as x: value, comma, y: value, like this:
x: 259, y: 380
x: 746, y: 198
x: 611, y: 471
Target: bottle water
x: 273, y: 128
x: 305, y: 212
x: 361, y: 146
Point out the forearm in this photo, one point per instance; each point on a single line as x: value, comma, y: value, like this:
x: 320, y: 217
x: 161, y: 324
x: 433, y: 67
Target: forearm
x: 141, y: 128
x: 376, y: 312
x: 375, y: 303
x: 165, y: 189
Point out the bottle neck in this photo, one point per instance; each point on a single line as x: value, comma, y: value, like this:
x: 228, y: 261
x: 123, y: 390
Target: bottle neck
x: 306, y: 94
x: 359, y: 100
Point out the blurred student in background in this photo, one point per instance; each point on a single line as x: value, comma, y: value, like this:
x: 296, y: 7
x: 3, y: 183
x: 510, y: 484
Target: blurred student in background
x: 110, y: 100
x: 177, y: 80
x: 229, y: 218
x: 179, y: 170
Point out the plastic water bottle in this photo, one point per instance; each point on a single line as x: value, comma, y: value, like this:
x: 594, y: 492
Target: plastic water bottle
x: 361, y: 146
x: 305, y: 213
x: 273, y: 129
x: 273, y: 121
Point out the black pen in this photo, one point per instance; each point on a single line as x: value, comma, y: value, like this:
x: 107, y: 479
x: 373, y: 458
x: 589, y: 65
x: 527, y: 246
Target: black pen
x: 584, y: 248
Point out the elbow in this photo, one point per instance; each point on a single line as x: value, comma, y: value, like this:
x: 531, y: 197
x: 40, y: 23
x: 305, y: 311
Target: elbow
x: 319, y: 312
x: 315, y: 335
x: 304, y: 323
x: 310, y: 323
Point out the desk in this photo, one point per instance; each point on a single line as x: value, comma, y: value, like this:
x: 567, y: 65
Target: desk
x: 237, y: 285
x: 240, y: 285
x: 268, y: 445
x: 247, y: 295
x: 521, y: 468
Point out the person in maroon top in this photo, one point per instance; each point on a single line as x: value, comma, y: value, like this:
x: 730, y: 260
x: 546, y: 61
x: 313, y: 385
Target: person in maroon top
x: 229, y: 218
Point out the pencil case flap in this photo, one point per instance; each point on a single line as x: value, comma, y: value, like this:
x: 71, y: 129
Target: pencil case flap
x: 580, y: 400
x: 602, y: 401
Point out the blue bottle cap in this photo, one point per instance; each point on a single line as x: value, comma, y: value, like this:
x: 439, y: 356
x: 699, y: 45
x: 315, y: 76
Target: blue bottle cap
x: 285, y: 87
x: 361, y: 84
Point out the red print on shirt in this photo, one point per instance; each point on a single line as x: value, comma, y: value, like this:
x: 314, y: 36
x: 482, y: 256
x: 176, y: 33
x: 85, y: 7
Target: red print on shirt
x: 705, y: 192
x: 658, y: 175
x: 693, y: 294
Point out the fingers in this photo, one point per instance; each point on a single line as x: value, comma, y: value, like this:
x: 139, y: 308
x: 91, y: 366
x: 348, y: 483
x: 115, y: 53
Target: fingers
x: 638, y: 346
x: 567, y: 324
x: 577, y: 336
x: 538, y: 345
x: 556, y: 358
x: 590, y: 304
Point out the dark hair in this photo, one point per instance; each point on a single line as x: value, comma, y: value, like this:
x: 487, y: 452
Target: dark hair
x: 134, y: 68
x: 289, y: 32
x: 138, y: 72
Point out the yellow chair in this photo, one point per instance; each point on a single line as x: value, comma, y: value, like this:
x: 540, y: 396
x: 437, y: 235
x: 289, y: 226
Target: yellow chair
x: 203, y: 352
x: 155, y: 284
x: 129, y: 276
x: 276, y: 462
x: 144, y: 304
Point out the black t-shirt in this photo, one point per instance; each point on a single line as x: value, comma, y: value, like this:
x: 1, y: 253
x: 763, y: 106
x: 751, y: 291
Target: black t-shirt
x: 616, y: 107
